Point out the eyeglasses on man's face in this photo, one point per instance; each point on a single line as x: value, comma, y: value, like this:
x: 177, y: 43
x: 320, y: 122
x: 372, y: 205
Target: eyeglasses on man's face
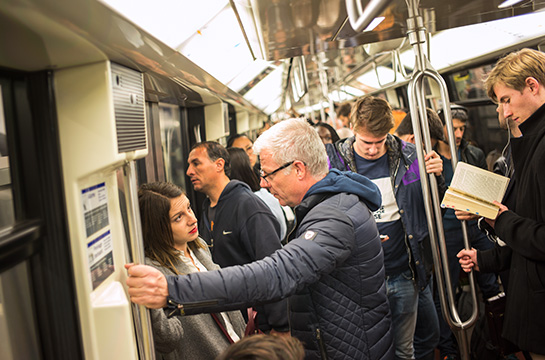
x: 264, y: 175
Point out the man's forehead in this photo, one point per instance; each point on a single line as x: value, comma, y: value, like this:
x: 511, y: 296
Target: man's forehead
x: 370, y: 138
x: 266, y: 158
x: 198, y: 153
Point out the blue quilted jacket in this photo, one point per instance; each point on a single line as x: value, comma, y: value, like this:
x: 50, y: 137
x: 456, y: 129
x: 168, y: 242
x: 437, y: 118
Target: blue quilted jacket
x: 332, y: 272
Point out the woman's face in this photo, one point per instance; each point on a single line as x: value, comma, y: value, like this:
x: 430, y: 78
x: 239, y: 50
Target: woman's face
x: 325, y: 135
x: 183, y: 222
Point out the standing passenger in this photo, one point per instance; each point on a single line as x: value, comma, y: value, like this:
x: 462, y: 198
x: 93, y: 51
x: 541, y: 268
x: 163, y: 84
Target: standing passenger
x: 343, y: 114
x: 453, y: 227
x: 237, y: 225
x: 242, y: 171
x: 392, y: 164
x: 332, y: 268
x: 517, y: 83
x: 172, y: 245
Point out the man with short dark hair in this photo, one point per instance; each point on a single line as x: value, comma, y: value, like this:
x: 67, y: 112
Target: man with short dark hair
x: 405, y: 128
x: 331, y: 270
x: 237, y: 225
x: 453, y: 227
x: 393, y: 166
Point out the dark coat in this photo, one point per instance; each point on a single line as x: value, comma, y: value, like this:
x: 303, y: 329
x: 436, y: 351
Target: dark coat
x: 332, y: 272
x: 523, y: 229
x: 245, y: 230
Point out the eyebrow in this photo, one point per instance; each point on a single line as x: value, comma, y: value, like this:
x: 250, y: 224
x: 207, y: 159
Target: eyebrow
x: 373, y: 142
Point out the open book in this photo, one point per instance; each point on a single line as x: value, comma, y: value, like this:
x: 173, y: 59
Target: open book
x: 473, y: 190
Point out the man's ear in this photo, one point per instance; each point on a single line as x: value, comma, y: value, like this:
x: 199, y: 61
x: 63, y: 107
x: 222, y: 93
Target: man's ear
x: 220, y: 164
x: 532, y: 84
x: 300, y: 169
x: 411, y: 138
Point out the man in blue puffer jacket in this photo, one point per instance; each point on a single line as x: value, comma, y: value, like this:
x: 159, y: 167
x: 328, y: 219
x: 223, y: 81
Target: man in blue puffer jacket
x: 331, y: 271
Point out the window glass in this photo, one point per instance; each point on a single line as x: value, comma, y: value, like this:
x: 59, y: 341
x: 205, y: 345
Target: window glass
x: 469, y: 83
x: 171, y: 141
x: 7, y: 216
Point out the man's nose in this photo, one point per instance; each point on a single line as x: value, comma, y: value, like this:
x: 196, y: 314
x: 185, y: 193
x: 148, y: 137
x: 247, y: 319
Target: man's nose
x: 507, y: 111
x: 263, y: 183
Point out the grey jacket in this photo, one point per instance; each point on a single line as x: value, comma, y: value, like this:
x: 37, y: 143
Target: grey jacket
x: 191, y: 337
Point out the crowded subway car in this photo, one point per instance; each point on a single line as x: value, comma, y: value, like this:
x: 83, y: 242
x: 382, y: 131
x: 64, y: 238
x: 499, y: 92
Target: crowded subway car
x: 100, y: 97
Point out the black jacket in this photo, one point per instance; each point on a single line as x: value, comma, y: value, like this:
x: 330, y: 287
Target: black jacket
x: 523, y: 229
x: 244, y: 230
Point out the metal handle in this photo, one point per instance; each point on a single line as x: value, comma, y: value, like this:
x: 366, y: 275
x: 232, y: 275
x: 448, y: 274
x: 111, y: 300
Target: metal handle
x: 417, y: 36
x: 142, y: 320
x: 361, y: 17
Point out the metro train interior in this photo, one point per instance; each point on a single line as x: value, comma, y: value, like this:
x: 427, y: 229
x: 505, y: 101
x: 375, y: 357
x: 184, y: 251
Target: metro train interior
x: 99, y: 96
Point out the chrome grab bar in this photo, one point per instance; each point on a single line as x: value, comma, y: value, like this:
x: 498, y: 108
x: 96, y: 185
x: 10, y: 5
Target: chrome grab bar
x: 417, y: 105
x: 141, y: 315
x: 361, y: 17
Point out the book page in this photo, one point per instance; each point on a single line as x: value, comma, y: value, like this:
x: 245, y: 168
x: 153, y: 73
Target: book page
x: 479, y: 183
x: 457, y: 201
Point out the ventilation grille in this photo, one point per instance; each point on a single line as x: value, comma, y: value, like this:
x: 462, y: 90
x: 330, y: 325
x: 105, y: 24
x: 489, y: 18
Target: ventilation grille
x: 130, y: 119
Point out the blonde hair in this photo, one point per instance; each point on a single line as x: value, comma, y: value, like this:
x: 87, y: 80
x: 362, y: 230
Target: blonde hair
x: 513, y: 70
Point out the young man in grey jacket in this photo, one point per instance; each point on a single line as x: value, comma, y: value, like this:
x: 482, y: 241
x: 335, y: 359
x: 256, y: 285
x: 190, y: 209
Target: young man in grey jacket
x: 331, y: 270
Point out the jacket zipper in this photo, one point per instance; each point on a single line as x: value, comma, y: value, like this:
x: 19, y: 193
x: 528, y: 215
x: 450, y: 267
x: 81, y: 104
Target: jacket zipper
x: 181, y: 308
x: 323, y: 353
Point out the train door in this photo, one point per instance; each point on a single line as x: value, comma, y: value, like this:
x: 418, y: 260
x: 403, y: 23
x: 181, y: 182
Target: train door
x: 38, y: 317
x: 102, y: 130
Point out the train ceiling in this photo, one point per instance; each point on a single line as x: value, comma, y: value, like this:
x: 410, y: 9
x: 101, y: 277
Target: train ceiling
x: 278, y: 36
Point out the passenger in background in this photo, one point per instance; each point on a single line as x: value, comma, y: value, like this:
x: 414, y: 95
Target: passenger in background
x: 517, y: 82
x: 242, y: 171
x: 327, y: 133
x: 243, y: 142
x: 453, y: 227
x: 392, y: 165
x: 332, y: 268
x: 343, y: 116
x: 172, y: 245
x: 265, y: 347
x: 237, y: 225
x: 405, y: 129
x: 425, y: 341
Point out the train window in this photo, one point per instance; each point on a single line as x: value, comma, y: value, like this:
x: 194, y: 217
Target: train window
x: 171, y: 139
x: 7, y: 215
x: 469, y: 83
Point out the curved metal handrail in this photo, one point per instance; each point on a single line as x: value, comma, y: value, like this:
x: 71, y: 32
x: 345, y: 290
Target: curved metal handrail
x: 423, y: 69
x: 361, y: 17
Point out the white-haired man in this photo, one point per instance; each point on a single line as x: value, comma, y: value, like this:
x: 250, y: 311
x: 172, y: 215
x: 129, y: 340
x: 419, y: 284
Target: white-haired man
x: 331, y: 270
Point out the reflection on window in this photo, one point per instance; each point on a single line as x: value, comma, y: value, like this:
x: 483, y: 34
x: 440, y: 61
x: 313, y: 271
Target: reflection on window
x: 171, y: 140
x: 7, y: 216
x: 469, y: 83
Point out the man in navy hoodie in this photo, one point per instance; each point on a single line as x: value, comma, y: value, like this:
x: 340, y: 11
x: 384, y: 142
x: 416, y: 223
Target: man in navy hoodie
x: 331, y: 270
x: 237, y: 225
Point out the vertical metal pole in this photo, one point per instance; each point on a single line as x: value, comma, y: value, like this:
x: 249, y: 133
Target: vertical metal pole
x: 417, y: 37
x: 144, y: 335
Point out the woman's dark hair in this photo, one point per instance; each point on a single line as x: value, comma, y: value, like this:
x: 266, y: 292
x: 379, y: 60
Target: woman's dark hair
x: 232, y: 139
x: 334, y: 136
x: 241, y: 169
x: 154, y: 202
